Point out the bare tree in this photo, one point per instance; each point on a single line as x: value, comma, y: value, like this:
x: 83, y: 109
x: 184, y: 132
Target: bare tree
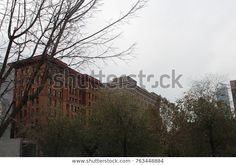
x: 54, y: 29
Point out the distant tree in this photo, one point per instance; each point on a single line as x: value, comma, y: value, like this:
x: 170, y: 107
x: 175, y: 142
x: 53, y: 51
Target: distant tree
x: 123, y: 127
x: 118, y: 125
x: 56, y: 134
x: 158, y: 131
x: 202, y: 125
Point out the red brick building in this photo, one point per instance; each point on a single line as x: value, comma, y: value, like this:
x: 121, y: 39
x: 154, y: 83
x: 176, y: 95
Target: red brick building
x: 65, y: 89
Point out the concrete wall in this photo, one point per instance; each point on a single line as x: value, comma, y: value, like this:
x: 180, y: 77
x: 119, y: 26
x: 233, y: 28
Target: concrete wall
x: 10, y: 148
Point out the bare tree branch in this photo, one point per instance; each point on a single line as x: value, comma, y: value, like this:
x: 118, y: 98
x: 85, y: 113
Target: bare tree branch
x: 54, y: 29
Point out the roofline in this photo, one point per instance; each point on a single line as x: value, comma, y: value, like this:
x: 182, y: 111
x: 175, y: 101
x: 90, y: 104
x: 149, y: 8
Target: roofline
x: 60, y: 63
x: 35, y: 59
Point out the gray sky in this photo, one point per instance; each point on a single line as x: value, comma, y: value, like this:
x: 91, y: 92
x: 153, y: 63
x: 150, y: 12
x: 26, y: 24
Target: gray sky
x: 194, y: 37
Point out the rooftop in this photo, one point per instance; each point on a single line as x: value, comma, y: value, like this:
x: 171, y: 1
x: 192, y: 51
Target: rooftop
x: 35, y: 59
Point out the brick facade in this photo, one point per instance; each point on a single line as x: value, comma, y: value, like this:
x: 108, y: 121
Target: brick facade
x: 65, y: 89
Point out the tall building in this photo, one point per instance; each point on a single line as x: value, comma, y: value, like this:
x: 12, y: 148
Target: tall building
x: 222, y: 94
x: 146, y: 98
x: 65, y: 89
x: 233, y: 89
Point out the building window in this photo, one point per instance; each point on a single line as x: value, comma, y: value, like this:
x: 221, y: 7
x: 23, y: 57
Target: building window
x: 38, y: 79
x: 71, y: 108
x: 21, y: 114
x: 49, y: 91
x: 89, y: 95
x: 37, y: 100
x: 50, y: 101
x: 25, y: 113
x: 32, y: 112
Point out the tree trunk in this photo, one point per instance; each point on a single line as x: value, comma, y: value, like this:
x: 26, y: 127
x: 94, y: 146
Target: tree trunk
x: 211, y: 141
x: 125, y: 146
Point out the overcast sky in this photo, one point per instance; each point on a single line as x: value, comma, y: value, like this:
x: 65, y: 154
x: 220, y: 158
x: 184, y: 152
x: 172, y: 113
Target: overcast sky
x: 194, y: 37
